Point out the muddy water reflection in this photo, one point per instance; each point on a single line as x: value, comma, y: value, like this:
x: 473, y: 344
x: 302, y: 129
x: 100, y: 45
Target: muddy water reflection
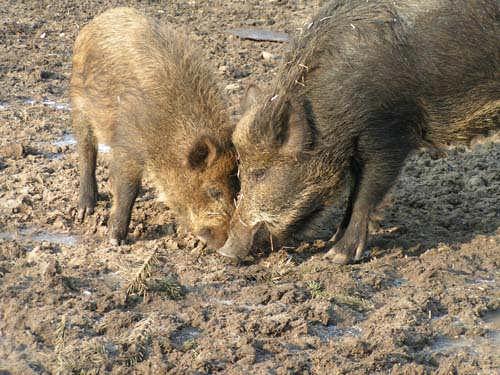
x: 69, y: 140
x: 39, y: 235
x: 488, y: 344
x: 330, y: 331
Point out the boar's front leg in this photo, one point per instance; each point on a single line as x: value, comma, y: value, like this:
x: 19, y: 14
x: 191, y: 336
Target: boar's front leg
x: 87, y: 155
x: 380, y: 156
x: 353, y: 193
x: 125, y: 175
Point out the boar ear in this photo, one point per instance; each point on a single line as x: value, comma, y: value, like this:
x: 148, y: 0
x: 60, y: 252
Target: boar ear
x: 250, y: 98
x: 202, y: 153
x: 296, y: 133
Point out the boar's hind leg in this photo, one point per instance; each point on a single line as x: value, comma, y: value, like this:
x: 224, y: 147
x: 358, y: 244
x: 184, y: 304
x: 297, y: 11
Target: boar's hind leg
x: 87, y: 154
x: 380, y: 160
x: 125, y: 175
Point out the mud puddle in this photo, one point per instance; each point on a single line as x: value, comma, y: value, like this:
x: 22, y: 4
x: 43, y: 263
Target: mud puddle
x: 476, y: 345
x: 69, y: 140
x: 59, y: 106
x: 39, y: 235
x: 489, y: 343
x: 332, y: 332
x: 260, y: 35
x: 56, y: 105
x: 185, y: 337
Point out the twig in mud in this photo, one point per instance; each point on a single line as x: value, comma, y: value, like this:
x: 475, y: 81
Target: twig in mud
x: 60, y: 332
x: 282, y: 267
x: 300, y: 83
x: 138, y: 284
x: 168, y: 286
x: 137, y: 342
x: 87, y: 357
x: 59, y: 344
x: 142, y: 283
x: 358, y: 303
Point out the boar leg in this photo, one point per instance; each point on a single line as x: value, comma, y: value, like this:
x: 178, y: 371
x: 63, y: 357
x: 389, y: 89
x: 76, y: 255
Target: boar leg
x: 87, y: 155
x: 125, y: 175
x: 381, y: 158
x: 353, y: 192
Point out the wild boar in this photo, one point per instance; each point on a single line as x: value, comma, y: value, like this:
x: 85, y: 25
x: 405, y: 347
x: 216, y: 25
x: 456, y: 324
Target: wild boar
x: 367, y: 83
x: 142, y: 89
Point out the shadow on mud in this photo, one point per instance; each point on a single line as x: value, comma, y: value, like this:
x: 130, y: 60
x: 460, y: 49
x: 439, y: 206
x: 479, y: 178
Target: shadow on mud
x: 444, y: 201
x: 449, y: 201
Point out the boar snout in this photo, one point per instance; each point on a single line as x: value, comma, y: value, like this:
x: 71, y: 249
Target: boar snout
x: 239, y: 241
x: 214, y: 238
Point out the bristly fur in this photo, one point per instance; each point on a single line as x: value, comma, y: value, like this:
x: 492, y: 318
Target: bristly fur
x: 365, y: 84
x: 144, y: 89
x: 474, y: 112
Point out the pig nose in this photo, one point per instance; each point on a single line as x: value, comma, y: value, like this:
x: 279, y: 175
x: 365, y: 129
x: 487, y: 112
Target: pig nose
x: 211, y: 237
x: 205, y: 234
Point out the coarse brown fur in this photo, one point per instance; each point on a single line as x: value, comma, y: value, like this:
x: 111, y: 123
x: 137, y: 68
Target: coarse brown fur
x: 141, y: 88
x: 366, y: 83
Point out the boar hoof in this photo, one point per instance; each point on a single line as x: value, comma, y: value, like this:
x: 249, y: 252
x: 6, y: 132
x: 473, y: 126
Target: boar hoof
x: 116, y: 242
x: 83, y: 212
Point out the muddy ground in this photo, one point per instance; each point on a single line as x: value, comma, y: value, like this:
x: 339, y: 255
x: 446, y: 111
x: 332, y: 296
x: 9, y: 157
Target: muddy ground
x: 425, y: 299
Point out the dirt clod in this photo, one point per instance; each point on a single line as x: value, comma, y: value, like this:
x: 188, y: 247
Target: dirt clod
x: 13, y: 151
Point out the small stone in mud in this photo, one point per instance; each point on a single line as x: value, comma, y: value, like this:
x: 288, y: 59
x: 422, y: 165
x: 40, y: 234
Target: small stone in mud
x: 232, y: 87
x: 238, y: 73
x: 476, y: 182
x: 12, y: 205
x: 13, y: 151
x: 51, y: 270
x: 45, y: 74
x: 267, y: 56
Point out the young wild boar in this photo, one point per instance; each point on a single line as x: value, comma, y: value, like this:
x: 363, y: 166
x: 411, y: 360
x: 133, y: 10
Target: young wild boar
x: 367, y: 83
x: 143, y: 90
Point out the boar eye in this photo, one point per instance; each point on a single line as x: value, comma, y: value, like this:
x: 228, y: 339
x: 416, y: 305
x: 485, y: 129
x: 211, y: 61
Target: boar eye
x: 258, y: 174
x: 214, y: 193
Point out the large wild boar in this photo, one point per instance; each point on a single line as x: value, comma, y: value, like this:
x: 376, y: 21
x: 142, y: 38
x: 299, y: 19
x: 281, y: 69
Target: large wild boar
x: 366, y: 83
x: 142, y: 89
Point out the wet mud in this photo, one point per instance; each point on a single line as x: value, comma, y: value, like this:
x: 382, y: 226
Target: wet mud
x: 425, y: 299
